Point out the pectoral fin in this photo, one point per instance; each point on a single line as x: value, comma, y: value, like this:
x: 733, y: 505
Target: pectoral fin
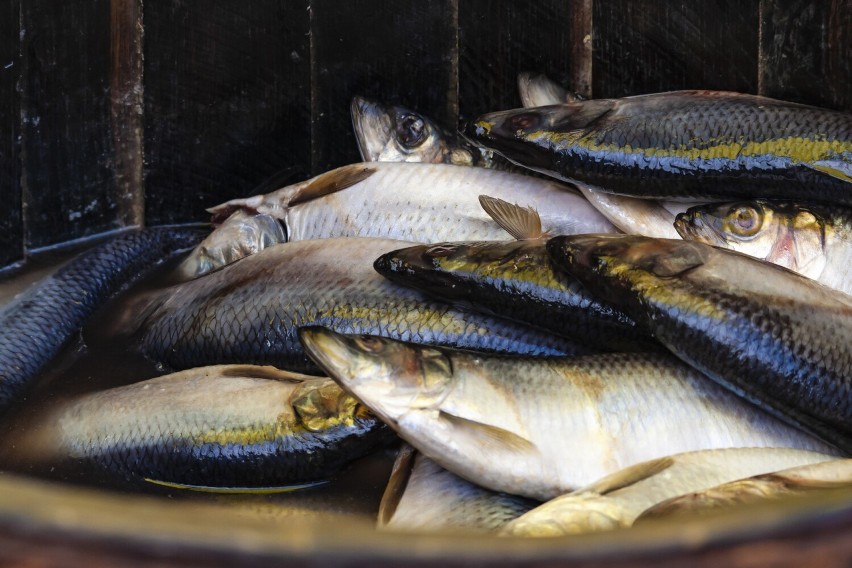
x: 628, y: 476
x: 489, y: 439
x: 841, y: 170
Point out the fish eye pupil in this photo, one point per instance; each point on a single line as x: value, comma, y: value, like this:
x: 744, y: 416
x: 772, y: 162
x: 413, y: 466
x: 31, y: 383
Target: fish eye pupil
x: 410, y: 130
x: 744, y: 220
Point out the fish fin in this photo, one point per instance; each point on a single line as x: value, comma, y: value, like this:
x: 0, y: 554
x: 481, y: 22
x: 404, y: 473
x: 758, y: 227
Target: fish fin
x: 241, y: 490
x: 332, y: 182
x: 263, y: 372
x: 222, y: 212
x: 489, y: 438
x: 523, y: 223
x: 628, y: 476
x: 839, y: 170
x: 400, y: 474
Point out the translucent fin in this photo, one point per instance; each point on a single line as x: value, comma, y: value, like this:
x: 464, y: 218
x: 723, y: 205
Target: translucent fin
x: 628, y: 476
x: 241, y: 490
x: 397, y: 483
x: 332, y: 182
x: 523, y: 223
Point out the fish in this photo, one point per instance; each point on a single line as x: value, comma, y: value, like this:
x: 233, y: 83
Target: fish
x: 241, y: 235
x: 514, y: 279
x: 423, y: 496
x: 228, y: 426
x: 538, y: 90
x: 682, y: 144
x: 415, y: 202
x: 790, y: 482
x: 38, y: 323
x: 541, y: 428
x: 248, y: 312
x: 773, y: 336
x: 616, y: 500
x: 811, y: 239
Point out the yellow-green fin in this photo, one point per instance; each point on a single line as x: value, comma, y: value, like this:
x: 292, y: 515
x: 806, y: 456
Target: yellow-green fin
x: 400, y: 474
x: 523, y: 223
x: 628, y: 476
x: 241, y: 490
x: 332, y: 182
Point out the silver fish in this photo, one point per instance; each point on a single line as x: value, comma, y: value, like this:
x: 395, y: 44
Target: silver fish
x: 415, y: 202
x: 541, y: 428
x: 423, y: 496
x: 618, y: 499
x: 538, y: 90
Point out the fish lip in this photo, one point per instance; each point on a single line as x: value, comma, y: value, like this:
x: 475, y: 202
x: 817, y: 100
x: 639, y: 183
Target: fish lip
x: 366, y: 123
x: 315, y: 340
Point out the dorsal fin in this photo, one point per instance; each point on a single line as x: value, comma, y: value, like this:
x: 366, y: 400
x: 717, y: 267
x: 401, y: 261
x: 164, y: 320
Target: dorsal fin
x: 523, y: 223
x: 332, y: 182
x: 628, y: 476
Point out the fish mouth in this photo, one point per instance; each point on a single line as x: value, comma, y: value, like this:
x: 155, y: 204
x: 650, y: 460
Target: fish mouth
x: 331, y: 351
x: 372, y: 125
x: 415, y: 267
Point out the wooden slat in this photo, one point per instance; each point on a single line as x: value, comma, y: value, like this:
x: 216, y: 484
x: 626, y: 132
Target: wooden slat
x: 498, y: 39
x: 647, y: 46
x: 69, y: 187
x: 400, y: 51
x: 227, y: 99
x: 11, y: 236
x: 806, y: 52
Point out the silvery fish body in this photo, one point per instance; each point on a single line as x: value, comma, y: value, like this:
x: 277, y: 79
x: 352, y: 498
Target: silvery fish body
x: 811, y: 239
x: 781, y: 340
x: 248, y: 312
x: 541, y: 428
x: 423, y: 496
x: 617, y: 500
x: 416, y: 202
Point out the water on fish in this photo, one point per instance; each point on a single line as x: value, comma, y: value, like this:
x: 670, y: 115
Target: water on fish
x: 95, y: 362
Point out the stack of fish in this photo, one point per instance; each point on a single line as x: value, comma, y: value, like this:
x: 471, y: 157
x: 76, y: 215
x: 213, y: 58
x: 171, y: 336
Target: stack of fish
x: 597, y: 372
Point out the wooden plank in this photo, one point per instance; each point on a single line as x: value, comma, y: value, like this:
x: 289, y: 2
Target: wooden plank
x: 399, y: 51
x: 227, y: 101
x: 69, y: 187
x: 498, y: 40
x: 806, y: 52
x: 11, y: 233
x: 647, y: 46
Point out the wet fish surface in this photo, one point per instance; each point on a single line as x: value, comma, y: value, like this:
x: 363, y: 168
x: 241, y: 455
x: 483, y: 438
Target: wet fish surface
x: 238, y: 426
x: 423, y: 496
x: 415, y: 202
x: 38, y: 323
x: 248, y: 312
x: 773, y: 336
x: 538, y: 90
x: 618, y: 499
x: 541, y: 428
x: 698, y: 144
x: 813, y: 240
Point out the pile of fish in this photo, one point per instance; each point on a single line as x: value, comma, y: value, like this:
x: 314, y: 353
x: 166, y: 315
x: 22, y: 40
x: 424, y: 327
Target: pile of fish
x: 566, y: 352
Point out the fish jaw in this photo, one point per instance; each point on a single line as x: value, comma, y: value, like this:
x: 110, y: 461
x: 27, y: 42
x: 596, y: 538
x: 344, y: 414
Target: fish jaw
x: 372, y: 126
x: 390, y: 377
x: 419, y: 267
x: 503, y: 132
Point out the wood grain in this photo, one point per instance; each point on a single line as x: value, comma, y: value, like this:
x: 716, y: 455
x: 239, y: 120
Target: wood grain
x: 11, y: 236
x: 227, y: 99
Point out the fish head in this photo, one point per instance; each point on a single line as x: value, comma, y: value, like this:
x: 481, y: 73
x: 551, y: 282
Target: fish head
x: 614, y: 265
x: 396, y: 134
x: 540, y: 137
x: 391, y: 377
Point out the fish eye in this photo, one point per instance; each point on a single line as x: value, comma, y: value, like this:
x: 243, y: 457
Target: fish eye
x: 369, y: 343
x: 744, y: 220
x: 525, y: 121
x: 439, y: 251
x: 410, y: 130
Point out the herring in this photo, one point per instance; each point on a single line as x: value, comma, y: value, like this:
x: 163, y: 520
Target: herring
x: 541, y: 428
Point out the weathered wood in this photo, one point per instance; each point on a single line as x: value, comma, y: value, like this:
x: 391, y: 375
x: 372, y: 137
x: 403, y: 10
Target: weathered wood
x: 69, y: 187
x: 647, y: 46
x: 806, y: 52
x: 11, y: 235
x: 500, y: 38
x: 226, y: 101
x: 396, y: 51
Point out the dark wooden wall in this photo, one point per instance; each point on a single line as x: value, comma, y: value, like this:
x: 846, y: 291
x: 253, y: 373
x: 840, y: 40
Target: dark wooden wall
x: 122, y: 112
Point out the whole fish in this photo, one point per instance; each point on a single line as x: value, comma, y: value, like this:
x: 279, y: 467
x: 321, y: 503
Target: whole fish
x: 769, y: 334
x: 618, y: 499
x: 515, y: 280
x: 248, y: 312
x: 241, y: 235
x: 541, y: 428
x: 813, y: 240
x: 423, y: 496
x: 229, y: 426
x: 415, y: 202
x: 392, y: 133
x: 38, y: 323
x: 702, y: 144
x: 794, y: 481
